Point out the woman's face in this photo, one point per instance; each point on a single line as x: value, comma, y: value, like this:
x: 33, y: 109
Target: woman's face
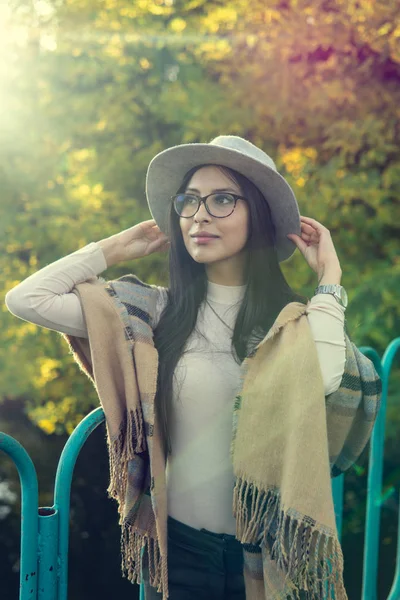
x: 232, y: 231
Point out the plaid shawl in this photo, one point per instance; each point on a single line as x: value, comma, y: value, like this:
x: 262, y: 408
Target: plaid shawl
x: 288, y: 441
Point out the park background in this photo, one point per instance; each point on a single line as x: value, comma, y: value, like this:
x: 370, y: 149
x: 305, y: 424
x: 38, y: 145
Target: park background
x: 90, y: 91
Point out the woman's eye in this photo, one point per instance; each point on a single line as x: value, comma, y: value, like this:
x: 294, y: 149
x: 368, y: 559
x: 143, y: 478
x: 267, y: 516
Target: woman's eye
x: 224, y: 198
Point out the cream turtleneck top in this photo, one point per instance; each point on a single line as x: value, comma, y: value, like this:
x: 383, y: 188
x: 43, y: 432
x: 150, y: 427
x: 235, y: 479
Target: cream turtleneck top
x: 206, y: 380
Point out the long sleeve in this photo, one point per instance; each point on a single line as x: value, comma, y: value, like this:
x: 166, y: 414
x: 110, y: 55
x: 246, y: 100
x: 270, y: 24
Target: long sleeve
x: 46, y: 299
x: 326, y: 319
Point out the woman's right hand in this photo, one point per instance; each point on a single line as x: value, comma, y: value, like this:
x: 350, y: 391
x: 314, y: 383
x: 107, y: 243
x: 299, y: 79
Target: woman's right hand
x: 137, y: 241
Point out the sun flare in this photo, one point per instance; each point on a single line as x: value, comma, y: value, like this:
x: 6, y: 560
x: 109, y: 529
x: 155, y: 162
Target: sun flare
x: 12, y: 35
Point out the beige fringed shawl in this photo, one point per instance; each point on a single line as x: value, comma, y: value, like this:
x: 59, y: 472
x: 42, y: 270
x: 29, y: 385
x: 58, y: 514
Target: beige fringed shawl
x: 288, y: 440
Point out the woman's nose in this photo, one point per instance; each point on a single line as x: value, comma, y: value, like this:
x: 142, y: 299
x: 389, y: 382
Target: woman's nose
x: 202, y: 212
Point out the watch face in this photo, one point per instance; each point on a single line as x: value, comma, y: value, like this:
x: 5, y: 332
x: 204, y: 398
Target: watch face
x: 344, y: 297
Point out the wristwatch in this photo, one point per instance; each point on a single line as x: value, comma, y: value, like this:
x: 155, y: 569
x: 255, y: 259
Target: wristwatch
x: 336, y: 290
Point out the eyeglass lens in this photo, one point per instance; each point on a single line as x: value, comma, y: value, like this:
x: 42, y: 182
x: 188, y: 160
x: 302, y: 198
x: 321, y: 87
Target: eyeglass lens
x: 219, y: 205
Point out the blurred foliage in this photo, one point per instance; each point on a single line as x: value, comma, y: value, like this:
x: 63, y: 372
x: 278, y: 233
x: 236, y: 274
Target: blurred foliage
x: 95, y: 90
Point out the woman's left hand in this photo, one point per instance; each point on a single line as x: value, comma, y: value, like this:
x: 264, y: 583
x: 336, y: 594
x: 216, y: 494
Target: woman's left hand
x: 315, y: 244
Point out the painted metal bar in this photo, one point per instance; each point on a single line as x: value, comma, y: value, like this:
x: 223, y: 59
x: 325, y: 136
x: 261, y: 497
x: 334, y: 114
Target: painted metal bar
x: 141, y: 585
x: 394, y: 593
x: 375, y: 493
x: 374, y: 489
x: 62, y: 489
x: 338, y: 494
x: 48, y: 554
x: 29, y: 519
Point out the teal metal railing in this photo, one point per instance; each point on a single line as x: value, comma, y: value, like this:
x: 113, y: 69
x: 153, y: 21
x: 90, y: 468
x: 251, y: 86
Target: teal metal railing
x: 45, y: 530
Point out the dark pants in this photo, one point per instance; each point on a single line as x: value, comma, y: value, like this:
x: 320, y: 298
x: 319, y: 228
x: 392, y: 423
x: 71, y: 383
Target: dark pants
x: 202, y: 565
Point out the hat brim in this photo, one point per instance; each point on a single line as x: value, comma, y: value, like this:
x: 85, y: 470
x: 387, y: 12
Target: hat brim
x: 167, y: 169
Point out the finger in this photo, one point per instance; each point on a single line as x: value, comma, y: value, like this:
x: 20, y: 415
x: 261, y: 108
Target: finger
x: 311, y: 237
x: 314, y: 234
x: 307, y: 219
x: 312, y: 222
x: 306, y: 227
x: 308, y: 232
x: 302, y: 245
x: 310, y: 229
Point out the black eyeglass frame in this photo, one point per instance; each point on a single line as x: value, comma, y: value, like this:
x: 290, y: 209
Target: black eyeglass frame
x: 203, y: 199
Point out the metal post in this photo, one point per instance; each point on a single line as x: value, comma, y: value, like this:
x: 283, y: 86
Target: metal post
x: 29, y: 518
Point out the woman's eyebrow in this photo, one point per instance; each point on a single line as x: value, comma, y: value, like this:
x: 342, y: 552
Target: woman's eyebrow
x: 213, y: 191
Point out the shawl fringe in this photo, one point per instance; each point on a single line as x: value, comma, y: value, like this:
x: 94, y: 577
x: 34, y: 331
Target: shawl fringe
x: 132, y: 544
x: 130, y: 441
x: 301, y: 570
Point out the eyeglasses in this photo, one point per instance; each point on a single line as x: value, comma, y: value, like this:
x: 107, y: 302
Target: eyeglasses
x: 218, y: 205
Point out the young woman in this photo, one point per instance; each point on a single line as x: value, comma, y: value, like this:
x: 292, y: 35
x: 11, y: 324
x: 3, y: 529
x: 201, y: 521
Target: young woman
x: 227, y: 219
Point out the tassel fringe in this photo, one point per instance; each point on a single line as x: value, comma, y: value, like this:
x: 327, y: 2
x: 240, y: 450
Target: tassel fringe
x: 132, y: 544
x: 292, y: 537
x: 130, y: 441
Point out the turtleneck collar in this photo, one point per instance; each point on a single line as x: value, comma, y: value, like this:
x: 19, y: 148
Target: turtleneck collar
x: 225, y: 294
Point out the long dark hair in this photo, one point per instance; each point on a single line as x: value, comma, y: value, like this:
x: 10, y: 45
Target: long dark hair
x: 267, y: 292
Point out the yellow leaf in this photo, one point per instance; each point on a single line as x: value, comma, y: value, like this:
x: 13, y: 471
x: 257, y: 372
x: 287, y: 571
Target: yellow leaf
x: 82, y: 155
x: 97, y: 189
x: 83, y: 190
x: 144, y: 63
x: 251, y: 40
x: 47, y: 425
x: 101, y: 125
x: 384, y: 29
x: 177, y: 25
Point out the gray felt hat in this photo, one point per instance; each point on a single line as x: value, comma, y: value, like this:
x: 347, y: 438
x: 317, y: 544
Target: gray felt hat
x: 168, y: 168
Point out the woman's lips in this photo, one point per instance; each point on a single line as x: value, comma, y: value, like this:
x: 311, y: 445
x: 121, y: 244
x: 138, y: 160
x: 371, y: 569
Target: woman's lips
x: 204, y: 239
